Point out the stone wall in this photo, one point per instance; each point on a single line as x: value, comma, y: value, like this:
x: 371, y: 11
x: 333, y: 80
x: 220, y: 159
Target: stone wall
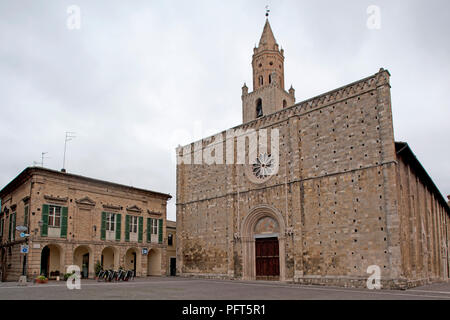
x: 423, y: 228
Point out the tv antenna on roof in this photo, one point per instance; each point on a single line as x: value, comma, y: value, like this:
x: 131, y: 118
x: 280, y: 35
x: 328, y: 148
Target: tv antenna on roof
x: 35, y: 163
x: 69, y: 136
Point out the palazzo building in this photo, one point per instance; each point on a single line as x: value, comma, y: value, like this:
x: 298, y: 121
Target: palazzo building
x: 331, y: 194
x: 76, y: 220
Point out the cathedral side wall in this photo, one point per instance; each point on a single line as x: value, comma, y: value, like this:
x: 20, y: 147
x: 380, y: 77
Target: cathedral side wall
x: 424, y: 224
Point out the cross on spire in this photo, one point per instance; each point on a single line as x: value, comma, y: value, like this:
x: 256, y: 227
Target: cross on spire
x: 267, y: 11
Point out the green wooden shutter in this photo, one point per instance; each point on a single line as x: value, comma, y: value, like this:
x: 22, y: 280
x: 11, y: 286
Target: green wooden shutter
x: 44, y: 229
x: 25, y: 218
x: 141, y: 228
x: 64, y: 211
x: 10, y: 226
x: 160, y: 230
x: 127, y: 228
x: 103, y: 226
x: 118, y: 226
x: 149, y: 229
x: 14, y: 227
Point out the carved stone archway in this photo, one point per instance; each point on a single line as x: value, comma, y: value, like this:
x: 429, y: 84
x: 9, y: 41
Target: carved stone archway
x: 248, y: 239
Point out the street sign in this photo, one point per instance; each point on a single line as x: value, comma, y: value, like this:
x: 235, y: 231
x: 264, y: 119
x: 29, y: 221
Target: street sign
x: 24, y: 248
x: 144, y: 251
x: 23, y: 235
x: 21, y: 228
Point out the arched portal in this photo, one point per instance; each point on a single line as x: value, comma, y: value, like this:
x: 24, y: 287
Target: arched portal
x: 52, y: 261
x: 154, y: 262
x: 82, y: 257
x: 263, y: 244
x: 110, y: 258
x: 133, y: 261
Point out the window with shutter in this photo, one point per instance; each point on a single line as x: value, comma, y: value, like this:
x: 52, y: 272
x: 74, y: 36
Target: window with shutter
x: 10, y: 226
x: 118, y: 226
x: 14, y: 227
x: 149, y: 229
x: 44, y: 229
x: 141, y: 227
x: 64, y: 211
x: 25, y: 217
x: 103, y: 227
x: 160, y: 231
x: 127, y: 228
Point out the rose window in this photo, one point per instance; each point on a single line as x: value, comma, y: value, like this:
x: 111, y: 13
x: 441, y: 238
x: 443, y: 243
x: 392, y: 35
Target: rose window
x: 264, y: 166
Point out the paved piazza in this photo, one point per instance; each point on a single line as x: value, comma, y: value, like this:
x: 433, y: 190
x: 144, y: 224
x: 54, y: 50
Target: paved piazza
x: 177, y: 288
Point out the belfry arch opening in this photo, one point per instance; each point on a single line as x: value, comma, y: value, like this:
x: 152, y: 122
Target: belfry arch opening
x: 261, y: 80
x: 259, y: 110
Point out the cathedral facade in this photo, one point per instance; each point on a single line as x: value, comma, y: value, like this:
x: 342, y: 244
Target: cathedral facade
x: 312, y: 192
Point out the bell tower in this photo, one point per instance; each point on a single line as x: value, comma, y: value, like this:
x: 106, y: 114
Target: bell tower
x: 268, y: 94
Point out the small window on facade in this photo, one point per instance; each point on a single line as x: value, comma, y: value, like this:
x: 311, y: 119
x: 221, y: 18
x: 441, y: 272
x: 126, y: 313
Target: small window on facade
x: 110, y: 221
x: 259, y: 111
x: 54, y: 216
x: 284, y: 104
x: 270, y: 78
x: 170, y: 239
x: 261, y: 80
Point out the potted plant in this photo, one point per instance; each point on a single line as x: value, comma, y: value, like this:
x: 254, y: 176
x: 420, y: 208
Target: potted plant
x: 41, y: 279
x: 67, y: 275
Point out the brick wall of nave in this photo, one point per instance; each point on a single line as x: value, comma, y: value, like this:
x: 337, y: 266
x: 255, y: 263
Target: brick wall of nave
x: 338, y: 222
x: 424, y: 229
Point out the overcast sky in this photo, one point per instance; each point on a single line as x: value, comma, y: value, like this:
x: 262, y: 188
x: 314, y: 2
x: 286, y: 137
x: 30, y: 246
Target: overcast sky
x: 140, y: 77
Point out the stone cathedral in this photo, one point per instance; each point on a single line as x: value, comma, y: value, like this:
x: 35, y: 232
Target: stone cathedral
x: 337, y: 197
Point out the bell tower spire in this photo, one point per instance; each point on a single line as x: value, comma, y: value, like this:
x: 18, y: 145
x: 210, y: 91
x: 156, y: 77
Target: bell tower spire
x: 268, y: 94
x: 268, y: 60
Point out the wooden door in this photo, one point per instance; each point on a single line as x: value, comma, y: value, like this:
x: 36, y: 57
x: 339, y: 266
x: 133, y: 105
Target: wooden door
x: 173, y: 266
x: 267, y: 257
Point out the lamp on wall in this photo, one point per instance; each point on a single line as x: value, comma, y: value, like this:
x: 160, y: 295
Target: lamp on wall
x: 40, y: 224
